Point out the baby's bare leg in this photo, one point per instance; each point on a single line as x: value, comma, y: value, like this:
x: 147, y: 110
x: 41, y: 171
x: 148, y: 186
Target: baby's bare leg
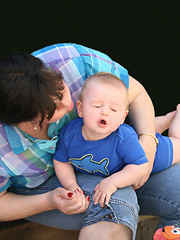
x: 174, y: 135
x: 162, y: 123
x: 105, y: 231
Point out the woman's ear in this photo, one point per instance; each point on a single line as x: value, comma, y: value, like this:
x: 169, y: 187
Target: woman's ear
x: 79, y: 108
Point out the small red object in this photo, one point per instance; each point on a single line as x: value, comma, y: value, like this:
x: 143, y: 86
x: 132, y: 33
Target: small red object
x: 70, y: 194
x: 167, y: 233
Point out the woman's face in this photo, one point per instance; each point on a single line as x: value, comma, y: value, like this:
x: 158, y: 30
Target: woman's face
x: 64, y: 106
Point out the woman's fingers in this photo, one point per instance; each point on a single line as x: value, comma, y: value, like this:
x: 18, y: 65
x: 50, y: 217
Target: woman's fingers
x: 64, y: 194
x: 71, y: 202
x: 79, y: 202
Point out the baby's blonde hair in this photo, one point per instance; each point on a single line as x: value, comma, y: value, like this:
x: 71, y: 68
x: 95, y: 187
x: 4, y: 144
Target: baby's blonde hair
x: 105, y: 77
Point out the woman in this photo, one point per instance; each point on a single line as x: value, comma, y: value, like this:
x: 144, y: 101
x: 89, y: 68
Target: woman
x: 33, y: 101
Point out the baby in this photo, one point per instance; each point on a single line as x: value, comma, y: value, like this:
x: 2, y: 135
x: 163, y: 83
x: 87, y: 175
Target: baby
x: 99, y: 142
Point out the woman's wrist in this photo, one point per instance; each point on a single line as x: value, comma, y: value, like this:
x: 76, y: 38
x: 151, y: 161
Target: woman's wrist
x: 49, y: 200
x: 150, y: 135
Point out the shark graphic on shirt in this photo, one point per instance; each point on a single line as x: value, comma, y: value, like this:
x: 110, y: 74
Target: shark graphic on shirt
x: 86, y: 163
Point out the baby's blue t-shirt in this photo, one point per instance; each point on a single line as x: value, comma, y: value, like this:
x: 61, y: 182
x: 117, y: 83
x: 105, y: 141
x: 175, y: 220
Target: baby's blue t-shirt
x: 102, y: 157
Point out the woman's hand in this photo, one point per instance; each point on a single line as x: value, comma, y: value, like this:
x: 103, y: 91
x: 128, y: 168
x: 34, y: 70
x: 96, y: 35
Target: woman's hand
x: 68, y: 202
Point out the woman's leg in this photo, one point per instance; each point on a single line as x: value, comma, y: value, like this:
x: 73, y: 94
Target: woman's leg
x: 53, y: 218
x: 160, y: 196
x: 119, y: 217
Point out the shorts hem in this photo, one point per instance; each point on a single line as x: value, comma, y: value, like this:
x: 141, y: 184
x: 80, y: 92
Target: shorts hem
x: 114, y: 213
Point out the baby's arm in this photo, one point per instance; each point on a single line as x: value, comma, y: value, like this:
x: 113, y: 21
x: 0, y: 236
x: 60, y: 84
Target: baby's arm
x: 128, y: 176
x: 66, y: 175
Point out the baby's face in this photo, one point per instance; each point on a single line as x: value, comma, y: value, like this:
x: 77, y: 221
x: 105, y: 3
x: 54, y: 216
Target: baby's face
x: 104, y: 108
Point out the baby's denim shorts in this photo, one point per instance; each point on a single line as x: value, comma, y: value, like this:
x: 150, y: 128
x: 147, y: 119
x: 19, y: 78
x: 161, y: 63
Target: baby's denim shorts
x: 122, y: 208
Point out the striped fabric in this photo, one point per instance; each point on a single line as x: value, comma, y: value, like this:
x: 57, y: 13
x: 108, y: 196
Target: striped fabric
x: 25, y: 161
x: 77, y: 62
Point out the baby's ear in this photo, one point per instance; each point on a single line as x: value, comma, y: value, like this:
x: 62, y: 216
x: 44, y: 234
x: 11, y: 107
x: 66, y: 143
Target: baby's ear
x: 127, y: 112
x: 125, y: 115
x: 79, y: 108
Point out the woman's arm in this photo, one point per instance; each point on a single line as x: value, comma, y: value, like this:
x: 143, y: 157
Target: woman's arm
x: 142, y: 117
x: 15, y: 206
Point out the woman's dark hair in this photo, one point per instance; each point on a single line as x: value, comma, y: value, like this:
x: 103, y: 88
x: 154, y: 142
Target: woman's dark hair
x: 27, y: 89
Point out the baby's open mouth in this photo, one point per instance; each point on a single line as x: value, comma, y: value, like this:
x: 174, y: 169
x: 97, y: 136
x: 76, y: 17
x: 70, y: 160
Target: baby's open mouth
x: 102, y: 123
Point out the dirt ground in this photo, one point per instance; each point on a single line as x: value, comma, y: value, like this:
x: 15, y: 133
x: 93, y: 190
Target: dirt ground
x: 146, y: 229
x: 22, y: 230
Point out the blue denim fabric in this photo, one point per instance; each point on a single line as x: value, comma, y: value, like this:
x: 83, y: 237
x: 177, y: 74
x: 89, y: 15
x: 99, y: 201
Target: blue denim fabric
x: 160, y: 196
x: 122, y: 208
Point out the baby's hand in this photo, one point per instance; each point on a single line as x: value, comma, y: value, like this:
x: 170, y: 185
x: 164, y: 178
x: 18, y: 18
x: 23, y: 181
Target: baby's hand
x: 103, y: 191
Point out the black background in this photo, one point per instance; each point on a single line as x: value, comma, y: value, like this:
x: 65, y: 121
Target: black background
x: 144, y: 38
